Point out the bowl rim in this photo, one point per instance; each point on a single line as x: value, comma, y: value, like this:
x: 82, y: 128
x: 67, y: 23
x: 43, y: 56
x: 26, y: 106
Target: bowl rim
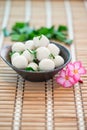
x: 37, y: 72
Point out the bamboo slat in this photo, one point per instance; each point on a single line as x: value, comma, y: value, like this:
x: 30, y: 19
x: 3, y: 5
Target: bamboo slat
x: 81, y: 39
x: 2, y: 5
x: 64, y: 103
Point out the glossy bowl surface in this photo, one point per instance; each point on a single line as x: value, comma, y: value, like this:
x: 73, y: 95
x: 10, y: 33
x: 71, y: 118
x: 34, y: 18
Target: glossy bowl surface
x: 38, y: 76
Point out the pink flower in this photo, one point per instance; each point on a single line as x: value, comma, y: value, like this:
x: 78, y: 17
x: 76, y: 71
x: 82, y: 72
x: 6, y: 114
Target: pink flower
x: 76, y: 70
x: 64, y: 79
x: 71, y: 74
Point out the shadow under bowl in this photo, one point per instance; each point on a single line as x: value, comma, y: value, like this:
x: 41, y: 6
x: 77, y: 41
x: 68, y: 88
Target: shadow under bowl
x: 38, y: 76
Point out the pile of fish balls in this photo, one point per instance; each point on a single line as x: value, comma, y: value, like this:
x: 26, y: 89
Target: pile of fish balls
x: 38, y: 54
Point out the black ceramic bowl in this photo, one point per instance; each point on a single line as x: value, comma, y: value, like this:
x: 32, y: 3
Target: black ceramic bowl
x: 38, y: 76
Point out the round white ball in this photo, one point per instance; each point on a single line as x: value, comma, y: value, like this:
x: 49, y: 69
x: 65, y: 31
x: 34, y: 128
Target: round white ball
x: 28, y: 55
x: 42, y: 53
x: 36, y: 42
x: 44, y: 41
x: 18, y: 46
x: 33, y: 66
x: 41, y: 41
x: 58, y: 61
x: 46, y: 65
x: 29, y: 45
x: 54, y: 49
x: 14, y: 55
x: 20, y: 62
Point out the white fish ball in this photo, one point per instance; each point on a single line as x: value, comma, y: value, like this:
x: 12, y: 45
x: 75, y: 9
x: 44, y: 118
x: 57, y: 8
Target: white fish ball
x: 20, y: 62
x: 28, y: 55
x: 14, y: 55
x: 46, y: 64
x: 18, y: 46
x: 54, y: 49
x: 36, y: 42
x: 58, y: 61
x: 29, y: 45
x: 44, y: 41
x: 41, y: 41
x: 33, y: 65
x: 42, y: 53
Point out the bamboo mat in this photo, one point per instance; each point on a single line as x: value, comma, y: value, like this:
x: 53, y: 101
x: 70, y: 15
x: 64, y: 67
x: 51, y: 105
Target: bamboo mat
x: 44, y: 106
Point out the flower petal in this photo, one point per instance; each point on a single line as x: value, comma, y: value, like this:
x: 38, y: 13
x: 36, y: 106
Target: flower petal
x: 71, y: 73
x: 82, y: 70
x: 77, y: 64
x: 67, y: 84
x: 63, y: 73
x: 60, y: 80
x: 72, y: 80
x: 67, y: 71
x: 70, y: 66
x: 77, y: 77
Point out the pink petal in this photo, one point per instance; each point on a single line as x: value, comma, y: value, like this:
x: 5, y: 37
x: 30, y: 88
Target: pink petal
x: 77, y: 77
x: 67, y: 84
x: 70, y: 66
x: 63, y: 73
x: 60, y: 80
x: 71, y: 73
x: 82, y: 70
x: 72, y: 80
x: 67, y: 71
x: 77, y: 65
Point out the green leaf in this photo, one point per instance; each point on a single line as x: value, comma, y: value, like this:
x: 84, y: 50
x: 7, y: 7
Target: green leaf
x: 21, y: 52
x: 29, y: 69
x: 11, y: 53
x: 19, y: 37
x: 31, y: 35
x: 42, y: 30
x: 33, y: 52
x: 52, y: 56
x: 23, y: 37
x: 6, y: 32
x: 60, y: 36
x: 46, y: 31
x: 15, y: 37
x: 68, y: 41
x: 62, y: 28
x: 19, y: 25
x: 21, y: 31
x: 40, y: 37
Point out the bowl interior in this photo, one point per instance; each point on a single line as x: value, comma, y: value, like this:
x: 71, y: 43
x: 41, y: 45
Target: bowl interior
x: 35, y: 76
